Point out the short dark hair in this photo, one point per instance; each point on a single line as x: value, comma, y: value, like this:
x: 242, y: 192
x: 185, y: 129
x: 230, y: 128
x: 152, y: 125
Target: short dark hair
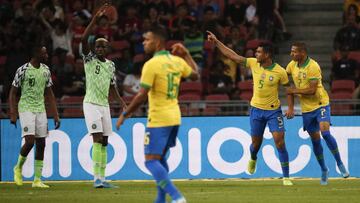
x: 35, y: 49
x: 268, y: 48
x: 159, y: 31
x: 300, y: 45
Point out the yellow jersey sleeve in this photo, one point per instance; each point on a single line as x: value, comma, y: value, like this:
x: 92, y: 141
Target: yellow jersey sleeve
x: 250, y: 62
x: 289, y: 68
x: 147, y: 76
x: 314, y: 72
x: 284, y: 79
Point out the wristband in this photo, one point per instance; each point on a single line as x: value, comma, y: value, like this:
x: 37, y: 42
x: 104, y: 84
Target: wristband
x: 124, y: 113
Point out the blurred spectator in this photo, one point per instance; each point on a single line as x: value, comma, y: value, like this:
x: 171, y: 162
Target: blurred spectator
x: 137, y: 37
x: 104, y: 29
x: 220, y: 82
x: 77, y: 28
x: 352, y: 11
x: 214, y: 5
x: 235, y: 12
x: 252, y: 19
x: 131, y: 84
x: 195, y: 9
x: 59, y: 11
x: 176, y: 24
x: 74, y: 83
x: 111, y: 11
x: 212, y: 23
x: 349, y: 3
x: 80, y: 11
x: 237, y: 41
x: 348, y: 36
x: 164, y: 9
x: 60, y: 35
x: 345, y: 68
x: 194, y: 42
x: 130, y: 23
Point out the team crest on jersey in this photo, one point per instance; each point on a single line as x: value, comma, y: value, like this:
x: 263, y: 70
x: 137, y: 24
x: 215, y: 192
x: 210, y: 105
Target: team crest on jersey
x: 93, y: 126
x: 271, y: 78
x: 263, y: 76
x: 304, y: 75
x: 26, y: 129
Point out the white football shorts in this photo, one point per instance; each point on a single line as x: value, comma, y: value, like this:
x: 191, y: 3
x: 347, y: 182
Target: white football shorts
x: 34, y: 124
x: 98, y: 119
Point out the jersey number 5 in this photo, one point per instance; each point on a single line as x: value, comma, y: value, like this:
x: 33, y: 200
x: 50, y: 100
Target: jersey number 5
x: 173, y: 87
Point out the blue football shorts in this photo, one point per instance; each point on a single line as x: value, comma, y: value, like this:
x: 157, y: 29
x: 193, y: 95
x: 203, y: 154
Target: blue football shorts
x: 311, y: 120
x: 259, y: 118
x: 160, y: 139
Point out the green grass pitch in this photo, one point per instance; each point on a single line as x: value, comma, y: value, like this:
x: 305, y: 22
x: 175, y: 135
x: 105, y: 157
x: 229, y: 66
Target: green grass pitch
x: 196, y: 191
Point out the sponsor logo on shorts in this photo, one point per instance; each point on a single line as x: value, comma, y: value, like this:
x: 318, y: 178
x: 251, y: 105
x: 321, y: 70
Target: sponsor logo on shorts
x: 93, y: 126
x: 26, y: 129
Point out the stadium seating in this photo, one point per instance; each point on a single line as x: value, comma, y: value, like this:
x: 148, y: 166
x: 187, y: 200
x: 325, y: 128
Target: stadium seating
x: 217, y: 97
x: 342, y: 86
x: 246, y: 89
x: 119, y: 45
x: 191, y: 88
x: 355, y: 55
x: 340, y: 108
x: 189, y: 97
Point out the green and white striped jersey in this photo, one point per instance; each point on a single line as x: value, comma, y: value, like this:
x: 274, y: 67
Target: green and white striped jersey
x: 99, y: 76
x: 32, y: 82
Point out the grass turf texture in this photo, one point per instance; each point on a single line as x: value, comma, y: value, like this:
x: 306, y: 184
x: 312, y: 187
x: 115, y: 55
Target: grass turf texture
x: 197, y: 191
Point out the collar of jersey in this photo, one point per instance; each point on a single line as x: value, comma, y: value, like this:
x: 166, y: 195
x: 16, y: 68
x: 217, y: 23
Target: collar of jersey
x: 29, y: 65
x: 162, y: 52
x: 305, y: 63
x: 270, y: 67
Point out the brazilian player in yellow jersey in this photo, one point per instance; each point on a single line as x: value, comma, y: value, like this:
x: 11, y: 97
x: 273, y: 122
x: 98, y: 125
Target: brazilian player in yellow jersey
x: 160, y: 81
x: 265, y: 103
x: 314, y: 101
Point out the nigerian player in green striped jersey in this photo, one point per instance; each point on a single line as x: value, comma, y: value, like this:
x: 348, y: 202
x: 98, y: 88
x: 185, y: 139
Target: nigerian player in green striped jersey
x: 34, y: 78
x: 100, y: 81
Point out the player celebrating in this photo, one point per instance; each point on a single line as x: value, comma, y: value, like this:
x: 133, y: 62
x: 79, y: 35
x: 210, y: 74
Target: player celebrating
x: 314, y: 100
x: 160, y: 81
x: 265, y: 103
x: 33, y: 78
x: 100, y: 78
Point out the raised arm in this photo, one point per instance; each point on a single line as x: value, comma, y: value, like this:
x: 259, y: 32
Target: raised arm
x: 89, y: 29
x: 224, y: 49
x: 179, y: 49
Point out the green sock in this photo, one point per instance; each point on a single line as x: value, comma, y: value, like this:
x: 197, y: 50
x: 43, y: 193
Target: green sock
x: 20, y: 162
x: 96, y: 157
x: 103, y: 162
x: 38, y: 169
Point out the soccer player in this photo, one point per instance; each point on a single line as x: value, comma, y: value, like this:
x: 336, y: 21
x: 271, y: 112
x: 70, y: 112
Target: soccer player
x: 265, y: 104
x: 314, y: 101
x: 160, y: 81
x: 100, y: 80
x: 34, y: 78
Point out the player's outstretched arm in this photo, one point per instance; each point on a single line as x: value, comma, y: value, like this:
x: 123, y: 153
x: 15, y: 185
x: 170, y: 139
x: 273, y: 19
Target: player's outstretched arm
x: 89, y: 29
x: 12, y: 101
x: 51, y: 98
x: 138, y: 100
x: 224, y: 49
x: 180, y: 50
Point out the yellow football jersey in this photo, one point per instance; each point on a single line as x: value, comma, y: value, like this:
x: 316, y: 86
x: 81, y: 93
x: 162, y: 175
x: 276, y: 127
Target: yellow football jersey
x: 266, y: 84
x: 162, y: 75
x: 302, y: 76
